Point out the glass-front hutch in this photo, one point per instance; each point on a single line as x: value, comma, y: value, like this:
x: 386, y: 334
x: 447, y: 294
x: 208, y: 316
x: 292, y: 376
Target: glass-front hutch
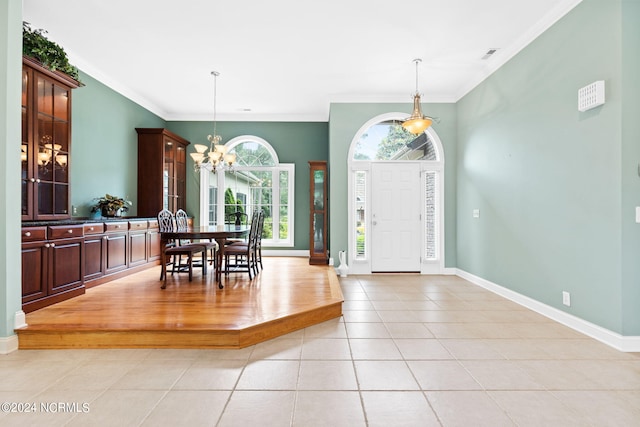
x: 318, y: 221
x: 162, y: 164
x: 46, y: 142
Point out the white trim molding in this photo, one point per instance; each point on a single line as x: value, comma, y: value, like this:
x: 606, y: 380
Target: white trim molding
x: 613, y: 339
x: 20, y: 320
x: 287, y: 252
x: 8, y: 344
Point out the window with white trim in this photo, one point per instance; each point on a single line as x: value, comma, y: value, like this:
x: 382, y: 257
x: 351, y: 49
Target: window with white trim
x: 257, y: 181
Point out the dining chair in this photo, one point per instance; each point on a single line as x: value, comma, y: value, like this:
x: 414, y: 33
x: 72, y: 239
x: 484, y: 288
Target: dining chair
x: 241, y: 256
x: 236, y: 218
x: 258, y: 245
x: 174, y: 251
x: 211, y: 246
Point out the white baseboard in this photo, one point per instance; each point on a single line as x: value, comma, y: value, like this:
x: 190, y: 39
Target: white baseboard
x: 613, y: 339
x: 450, y: 271
x: 285, y: 252
x: 20, y: 320
x: 8, y: 344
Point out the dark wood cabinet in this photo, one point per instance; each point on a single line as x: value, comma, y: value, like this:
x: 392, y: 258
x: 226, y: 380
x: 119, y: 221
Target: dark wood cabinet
x: 154, y: 249
x: 138, y: 243
x: 94, y: 252
x: 116, y: 247
x: 318, y: 209
x: 34, y: 263
x: 61, y: 261
x: 162, y: 164
x: 52, y: 265
x: 46, y: 142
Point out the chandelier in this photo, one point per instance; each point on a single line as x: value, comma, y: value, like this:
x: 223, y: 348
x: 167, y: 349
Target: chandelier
x: 47, y: 153
x: 214, y: 156
x: 417, y: 122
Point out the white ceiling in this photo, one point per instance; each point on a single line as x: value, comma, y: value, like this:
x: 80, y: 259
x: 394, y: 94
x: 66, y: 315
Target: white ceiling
x: 288, y: 59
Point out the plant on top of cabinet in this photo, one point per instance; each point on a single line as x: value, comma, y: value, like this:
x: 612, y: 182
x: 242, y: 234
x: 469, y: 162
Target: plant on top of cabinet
x: 36, y: 45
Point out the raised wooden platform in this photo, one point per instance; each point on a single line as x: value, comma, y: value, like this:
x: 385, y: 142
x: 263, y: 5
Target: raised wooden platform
x: 133, y: 312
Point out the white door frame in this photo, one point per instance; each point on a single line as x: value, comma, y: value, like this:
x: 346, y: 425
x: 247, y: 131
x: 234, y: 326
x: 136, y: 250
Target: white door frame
x: 363, y: 266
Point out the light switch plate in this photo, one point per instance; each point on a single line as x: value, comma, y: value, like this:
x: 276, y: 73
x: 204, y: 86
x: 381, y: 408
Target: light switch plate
x: 476, y: 213
x: 638, y: 214
x: 566, y: 298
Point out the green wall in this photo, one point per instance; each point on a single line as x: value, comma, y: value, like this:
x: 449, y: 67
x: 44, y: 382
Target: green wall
x: 10, y: 94
x: 105, y: 144
x: 630, y: 166
x: 344, y: 122
x: 294, y: 142
x: 548, y: 180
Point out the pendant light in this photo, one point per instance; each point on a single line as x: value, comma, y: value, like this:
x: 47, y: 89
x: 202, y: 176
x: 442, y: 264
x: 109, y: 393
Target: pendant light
x: 217, y: 156
x: 417, y: 122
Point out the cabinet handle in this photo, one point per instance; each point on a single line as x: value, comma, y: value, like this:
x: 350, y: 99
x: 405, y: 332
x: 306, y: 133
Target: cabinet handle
x: 46, y: 245
x: 90, y: 228
x: 117, y: 226
x: 32, y: 180
x: 53, y: 245
x: 104, y: 238
x: 38, y: 180
x: 70, y: 231
x: 27, y: 234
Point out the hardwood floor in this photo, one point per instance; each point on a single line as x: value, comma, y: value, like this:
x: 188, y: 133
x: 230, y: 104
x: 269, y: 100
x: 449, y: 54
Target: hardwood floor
x: 133, y: 312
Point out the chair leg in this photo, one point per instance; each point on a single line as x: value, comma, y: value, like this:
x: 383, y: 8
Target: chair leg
x: 190, y: 261
x: 204, y: 262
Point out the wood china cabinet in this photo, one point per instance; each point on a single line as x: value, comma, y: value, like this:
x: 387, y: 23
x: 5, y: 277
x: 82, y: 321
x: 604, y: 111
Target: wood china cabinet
x: 46, y: 142
x: 318, y: 210
x: 162, y: 165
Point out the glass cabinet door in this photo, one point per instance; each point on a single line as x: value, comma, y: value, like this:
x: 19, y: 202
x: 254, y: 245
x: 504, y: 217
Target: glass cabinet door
x: 318, y: 210
x: 168, y: 185
x: 26, y: 175
x: 52, y: 149
x: 181, y: 174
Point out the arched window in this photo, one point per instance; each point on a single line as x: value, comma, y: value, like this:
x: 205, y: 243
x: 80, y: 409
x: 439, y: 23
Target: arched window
x: 384, y: 140
x: 388, y: 140
x: 257, y: 181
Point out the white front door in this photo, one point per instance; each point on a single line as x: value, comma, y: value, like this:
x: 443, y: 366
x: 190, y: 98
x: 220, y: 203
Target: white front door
x: 395, y: 217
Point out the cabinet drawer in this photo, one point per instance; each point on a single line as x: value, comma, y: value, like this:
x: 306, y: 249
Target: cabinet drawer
x: 137, y: 225
x: 96, y: 228
x: 65, y: 231
x: 33, y: 234
x: 153, y: 223
x: 115, y: 226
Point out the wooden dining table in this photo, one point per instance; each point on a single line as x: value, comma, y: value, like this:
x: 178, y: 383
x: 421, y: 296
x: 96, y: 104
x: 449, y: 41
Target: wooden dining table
x: 220, y: 233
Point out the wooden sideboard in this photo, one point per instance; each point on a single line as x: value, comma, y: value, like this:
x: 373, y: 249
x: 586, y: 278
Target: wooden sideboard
x: 60, y: 259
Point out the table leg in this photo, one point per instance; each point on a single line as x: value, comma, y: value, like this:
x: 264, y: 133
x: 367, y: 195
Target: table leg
x: 221, y: 243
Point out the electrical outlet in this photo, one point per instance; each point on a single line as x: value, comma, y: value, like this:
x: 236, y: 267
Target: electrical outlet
x: 74, y: 210
x: 476, y: 213
x: 566, y: 298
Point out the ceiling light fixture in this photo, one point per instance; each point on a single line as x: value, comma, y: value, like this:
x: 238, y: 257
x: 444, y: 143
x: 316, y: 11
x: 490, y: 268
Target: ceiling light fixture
x: 417, y: 122
x: 217, y: 157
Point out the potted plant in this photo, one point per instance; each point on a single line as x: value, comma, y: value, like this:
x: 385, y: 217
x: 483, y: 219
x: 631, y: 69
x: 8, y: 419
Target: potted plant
x: 109, y: 205
x: 36, y: 45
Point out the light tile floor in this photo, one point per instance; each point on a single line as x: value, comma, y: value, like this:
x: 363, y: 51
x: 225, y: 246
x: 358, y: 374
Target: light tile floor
x: 409, y: 351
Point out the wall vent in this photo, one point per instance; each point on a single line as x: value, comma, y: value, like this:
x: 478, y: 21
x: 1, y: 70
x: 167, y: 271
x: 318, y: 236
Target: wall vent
x: 489, y: 53
x: 591, y: 96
